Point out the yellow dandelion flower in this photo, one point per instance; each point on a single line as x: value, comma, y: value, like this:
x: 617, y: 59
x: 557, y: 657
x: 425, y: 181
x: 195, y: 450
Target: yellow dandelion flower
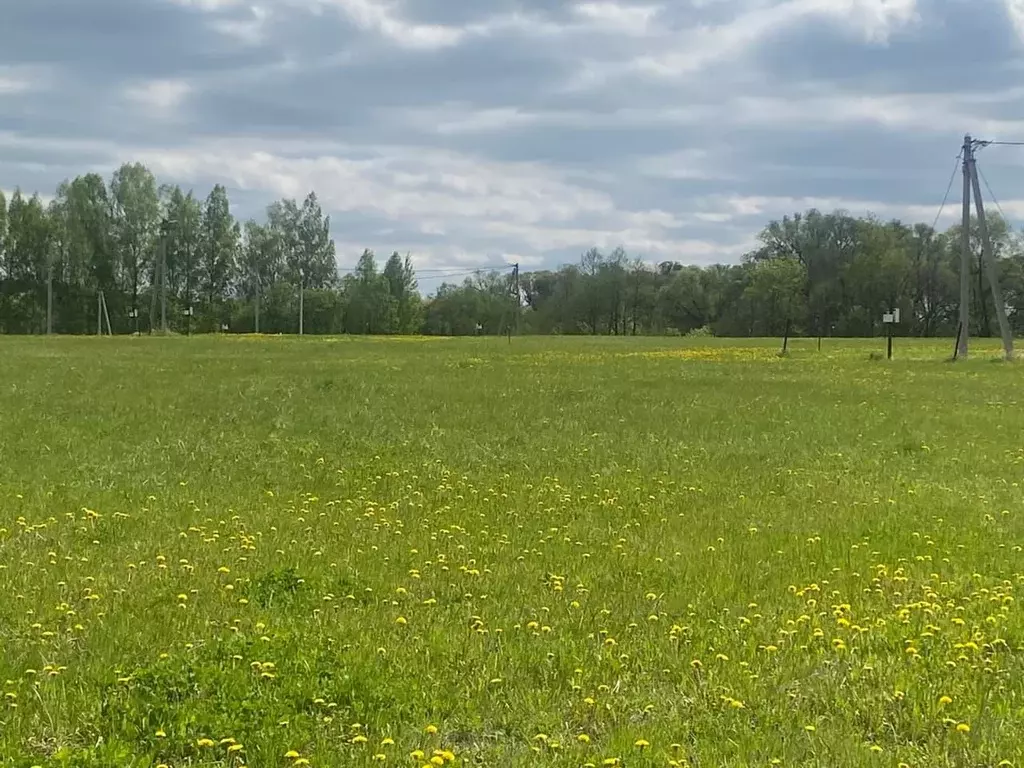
x: 431, y: 729
x: 583, y: 738
x: 291, y: 753
x: 963, y: 728
x: 943, y: 700
x: 387, y: 741
x: 641, y: 743
x: 205, y: 743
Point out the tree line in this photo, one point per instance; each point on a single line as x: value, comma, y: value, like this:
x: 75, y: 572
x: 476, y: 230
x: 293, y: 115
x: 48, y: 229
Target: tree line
x: 157, y: 254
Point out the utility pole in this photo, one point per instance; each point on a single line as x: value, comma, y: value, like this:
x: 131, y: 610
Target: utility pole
x: 163, y: 278
x: 965, y: 256
x: 49, y: 297
x: 972, y: 184
x: 515, y: 274
x: 302, y: 308
x: 990, y: 265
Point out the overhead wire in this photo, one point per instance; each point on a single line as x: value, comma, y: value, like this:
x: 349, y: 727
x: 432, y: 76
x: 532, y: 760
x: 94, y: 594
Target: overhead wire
x: 426, y: 272
x: 991, y: 193
x: 945, y: 197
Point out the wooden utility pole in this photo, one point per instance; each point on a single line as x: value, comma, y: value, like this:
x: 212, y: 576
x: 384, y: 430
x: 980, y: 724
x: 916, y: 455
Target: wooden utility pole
x: 965, y: 257
x: 302, y: 308
x: 990, y: 265
x: 163, y: 279
x: 973, y: 185
x: 518, y: 295
x: 49, y: 298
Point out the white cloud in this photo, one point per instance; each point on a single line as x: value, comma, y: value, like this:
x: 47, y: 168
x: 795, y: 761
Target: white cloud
x: 692, y: 50
x: 158, y: 95
x: 251, y: 31
x: 622, y: 19
x: 22, y: 79
x: 382, y: 17
x: 1015, y: 10
x: 766, y: 207
x: 209, y: 5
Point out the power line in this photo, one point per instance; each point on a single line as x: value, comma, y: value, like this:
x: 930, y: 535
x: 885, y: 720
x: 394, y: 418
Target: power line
x: 465, y: 270
x: 945, y: 197
x: 985, y: 143
x: 992, y: 194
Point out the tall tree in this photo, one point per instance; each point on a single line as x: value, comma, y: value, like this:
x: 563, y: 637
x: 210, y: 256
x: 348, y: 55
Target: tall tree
x: 219, y: 245
x: 315, y: 254
x: 260, y: 265
x: 136, y: 220
x: 403, y: 311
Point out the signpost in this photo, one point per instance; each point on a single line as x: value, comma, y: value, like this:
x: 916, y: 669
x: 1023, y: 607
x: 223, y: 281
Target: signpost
x: 189, y: 313
x: 890, y: 319
x: 133, y: 313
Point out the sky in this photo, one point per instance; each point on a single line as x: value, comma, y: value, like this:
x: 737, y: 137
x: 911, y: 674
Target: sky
x: 474, y: 133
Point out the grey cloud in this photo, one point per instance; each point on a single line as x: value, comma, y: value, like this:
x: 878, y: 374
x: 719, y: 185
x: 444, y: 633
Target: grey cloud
x: 495, y: 144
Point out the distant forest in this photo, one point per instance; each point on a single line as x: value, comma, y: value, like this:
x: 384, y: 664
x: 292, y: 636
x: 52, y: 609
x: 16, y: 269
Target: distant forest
x: 159, y: 251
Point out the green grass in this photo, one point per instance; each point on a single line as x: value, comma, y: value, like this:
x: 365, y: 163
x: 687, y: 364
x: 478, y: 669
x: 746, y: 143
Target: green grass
x: 557, y: 552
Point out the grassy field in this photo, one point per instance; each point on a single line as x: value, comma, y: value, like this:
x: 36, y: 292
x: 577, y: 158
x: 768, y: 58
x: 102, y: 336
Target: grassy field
x: 559, y: 552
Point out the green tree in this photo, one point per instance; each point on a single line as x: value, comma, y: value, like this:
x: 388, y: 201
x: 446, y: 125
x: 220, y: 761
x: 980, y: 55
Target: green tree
x: 403, y: 302
x: 136, y: 218
x: 219, y: 246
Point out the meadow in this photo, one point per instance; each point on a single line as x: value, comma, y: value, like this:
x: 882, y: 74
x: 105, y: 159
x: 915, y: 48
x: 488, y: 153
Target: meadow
x: 551, y: 552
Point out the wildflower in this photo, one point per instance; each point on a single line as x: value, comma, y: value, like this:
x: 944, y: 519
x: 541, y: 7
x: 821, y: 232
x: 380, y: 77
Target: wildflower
x: 387, y: 741
x: 291, y: 753
x: 380, y: 757
x: 963, y: 728
x: 360, y: 739
x: 583, y: 738
x: 161, y: 733
x: 641, y: 743
x: 431, y: 729
x: 943, y: 700
x: 205, y: 743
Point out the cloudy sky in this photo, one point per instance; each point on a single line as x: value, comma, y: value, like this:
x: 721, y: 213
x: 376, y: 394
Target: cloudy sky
x: 473, y: 132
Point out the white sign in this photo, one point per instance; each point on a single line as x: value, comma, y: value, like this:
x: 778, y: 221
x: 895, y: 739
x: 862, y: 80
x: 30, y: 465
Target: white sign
x: 887, y: 317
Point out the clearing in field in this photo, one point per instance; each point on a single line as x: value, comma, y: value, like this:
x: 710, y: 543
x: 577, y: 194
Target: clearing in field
x: 559, y: 552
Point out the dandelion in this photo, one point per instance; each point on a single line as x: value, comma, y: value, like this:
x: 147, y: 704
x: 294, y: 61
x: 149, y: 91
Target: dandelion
x: 205, y: 743
x: 431, y: 729
x: 583, y: 738
x: 641, y: 744
x: 963, y: 728
x: 943, y: 700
